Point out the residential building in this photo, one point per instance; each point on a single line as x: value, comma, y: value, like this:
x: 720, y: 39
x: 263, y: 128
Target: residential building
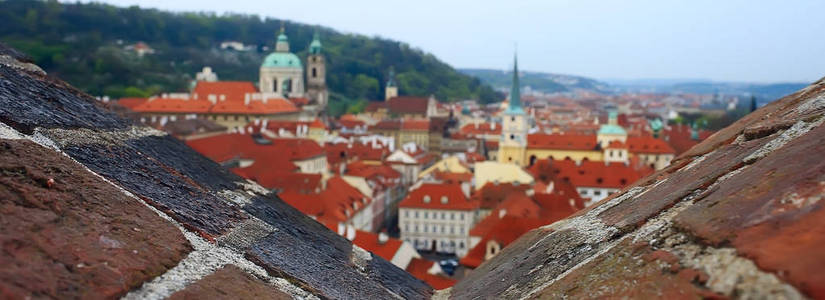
x: 438, y: 217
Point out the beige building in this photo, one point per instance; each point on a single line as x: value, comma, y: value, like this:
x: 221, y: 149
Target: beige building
x: 438, y: 217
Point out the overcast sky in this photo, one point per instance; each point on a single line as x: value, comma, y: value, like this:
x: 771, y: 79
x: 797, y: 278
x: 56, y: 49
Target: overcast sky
x: 726, y: 40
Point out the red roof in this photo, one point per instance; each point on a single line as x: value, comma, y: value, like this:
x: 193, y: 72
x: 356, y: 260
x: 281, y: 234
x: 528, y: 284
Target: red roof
x: 589, y: 173
x: 679, y: 137
x: 491, y: 194
x: 173, y: 105
x: 429, y: 196
x: 648, y: 144
x: 369, y: 241
x: 224, y: 147
x: 418, y: 267
x: 337, y: 203
x: 481, y: 129
x: 415, y: 124
x: 450, y: 177
x: 233, y: 91
x: 131, y: 103
x: 271, y: 106
x: 504, y: 231
x: 299, y: 101
x: 408, y: 105
x: 561, y: 141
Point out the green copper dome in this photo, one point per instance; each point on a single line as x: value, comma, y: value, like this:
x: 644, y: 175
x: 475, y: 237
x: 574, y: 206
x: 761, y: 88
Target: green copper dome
x: 315, y: 46
x: 612, y: 129
x: 281, y: 60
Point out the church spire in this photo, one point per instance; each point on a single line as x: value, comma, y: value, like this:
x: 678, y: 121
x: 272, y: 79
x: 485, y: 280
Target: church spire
x: 514, y: 107
x: 315, y: 45
x: 282, y: 44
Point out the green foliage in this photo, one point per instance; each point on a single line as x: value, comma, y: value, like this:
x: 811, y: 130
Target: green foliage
x: 80, y: 43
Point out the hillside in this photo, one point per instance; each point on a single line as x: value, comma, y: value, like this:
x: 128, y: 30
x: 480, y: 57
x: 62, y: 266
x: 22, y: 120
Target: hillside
x: 543, y: 82
x: 85, y: 44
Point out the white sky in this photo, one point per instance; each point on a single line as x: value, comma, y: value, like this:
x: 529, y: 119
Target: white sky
x: 726, y: 40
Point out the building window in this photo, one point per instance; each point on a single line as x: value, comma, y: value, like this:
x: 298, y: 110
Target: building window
x: 513, y: 119
x: 407, y: 227
x: 452, y: 216
x: 426, y: 214
x: 415, y: 229
x: 426, y: 198
x: 460, y: 245
x: 452, y: 229
x: 461, y: 216
x: 443, y: 216
x: 443, y: 199
x: 597, y: 192
x: 512, y: 136
x: 314, y: 73
x: 416, y: 214
x: 425, y: 228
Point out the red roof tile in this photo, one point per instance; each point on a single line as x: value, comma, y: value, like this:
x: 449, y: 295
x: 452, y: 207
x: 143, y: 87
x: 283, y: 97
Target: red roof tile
x: 418, y: 267
x: 435, y: 192
x: 233, y: 91
x: 648, y: 144
x: 561, y: 141
x: 170, y: 105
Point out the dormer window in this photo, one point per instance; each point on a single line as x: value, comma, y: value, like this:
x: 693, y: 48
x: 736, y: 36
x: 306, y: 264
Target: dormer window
x: 426, y: 198
x: 443, y: 199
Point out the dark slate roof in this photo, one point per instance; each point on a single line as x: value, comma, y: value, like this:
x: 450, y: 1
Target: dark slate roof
x: 97, y: 207
x: 739, y: 215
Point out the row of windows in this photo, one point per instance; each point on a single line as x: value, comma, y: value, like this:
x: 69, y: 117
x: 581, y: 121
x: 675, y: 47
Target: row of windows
x: 426, y: 243
x: 434, y: 228
x: 585, y: 192
x: 434, y: 215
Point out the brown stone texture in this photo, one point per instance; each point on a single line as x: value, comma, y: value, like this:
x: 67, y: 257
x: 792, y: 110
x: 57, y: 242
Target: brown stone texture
x: 772, y: 212
x: 230, y: 282
x: 65, y: 233
x: 630, y: 271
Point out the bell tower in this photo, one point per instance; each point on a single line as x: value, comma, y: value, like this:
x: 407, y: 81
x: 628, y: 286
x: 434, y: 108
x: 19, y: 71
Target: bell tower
x: 316, y: 73
x: 513, y: 143
x: 391, y: 89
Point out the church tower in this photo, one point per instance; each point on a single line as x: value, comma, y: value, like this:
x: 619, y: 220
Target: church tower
x: 316, y: 73
x: 391, y: 89
x: 281, y: 72
x: 513, y: 143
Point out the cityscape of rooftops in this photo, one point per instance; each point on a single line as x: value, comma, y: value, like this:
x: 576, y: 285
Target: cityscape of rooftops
x: 374, y: 149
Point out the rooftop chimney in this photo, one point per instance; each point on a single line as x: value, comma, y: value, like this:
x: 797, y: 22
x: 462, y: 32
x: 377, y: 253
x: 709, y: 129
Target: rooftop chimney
x: 350, y: 232
x: 383, y: 238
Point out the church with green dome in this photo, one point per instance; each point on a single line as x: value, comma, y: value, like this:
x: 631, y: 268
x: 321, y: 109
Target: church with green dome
x: 282, y: 72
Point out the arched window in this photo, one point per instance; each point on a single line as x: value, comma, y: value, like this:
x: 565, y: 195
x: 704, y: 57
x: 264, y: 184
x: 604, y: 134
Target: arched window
x: 314, y: 73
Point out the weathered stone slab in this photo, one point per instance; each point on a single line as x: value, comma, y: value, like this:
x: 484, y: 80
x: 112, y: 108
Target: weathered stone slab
x: 68, y: 234
x: 632, y: 212
x: 187, y: 161
x: 318, y: 260
x: 630, y: 271
x: 29, y: 100
x: 161, y: 186
x: 229, y: 282
x: 772, y: 212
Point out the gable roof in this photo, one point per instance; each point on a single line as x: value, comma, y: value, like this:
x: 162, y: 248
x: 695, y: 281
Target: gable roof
x: 430, y: 195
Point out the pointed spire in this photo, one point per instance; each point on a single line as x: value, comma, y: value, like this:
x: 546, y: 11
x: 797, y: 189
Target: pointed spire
x: 391, y: 77
x: 315, y: 45
x: 514, y: 107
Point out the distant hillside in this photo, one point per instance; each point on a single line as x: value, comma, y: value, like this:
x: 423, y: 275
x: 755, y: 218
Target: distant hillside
x: 764, y: 92
x: 544, y: 82
x: 84, y: 44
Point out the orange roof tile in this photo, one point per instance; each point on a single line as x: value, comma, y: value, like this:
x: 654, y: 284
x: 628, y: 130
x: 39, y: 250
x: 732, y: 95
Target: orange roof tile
x: 429, y: 196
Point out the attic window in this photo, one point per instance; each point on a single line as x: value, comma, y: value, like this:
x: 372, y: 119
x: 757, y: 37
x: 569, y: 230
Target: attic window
x: 426, y: 198
x: 623, y: 181
x: 443, y: 199
x: 599, y: 180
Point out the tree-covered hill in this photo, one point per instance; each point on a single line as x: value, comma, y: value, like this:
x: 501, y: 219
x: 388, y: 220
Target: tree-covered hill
x: 85, y: 45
